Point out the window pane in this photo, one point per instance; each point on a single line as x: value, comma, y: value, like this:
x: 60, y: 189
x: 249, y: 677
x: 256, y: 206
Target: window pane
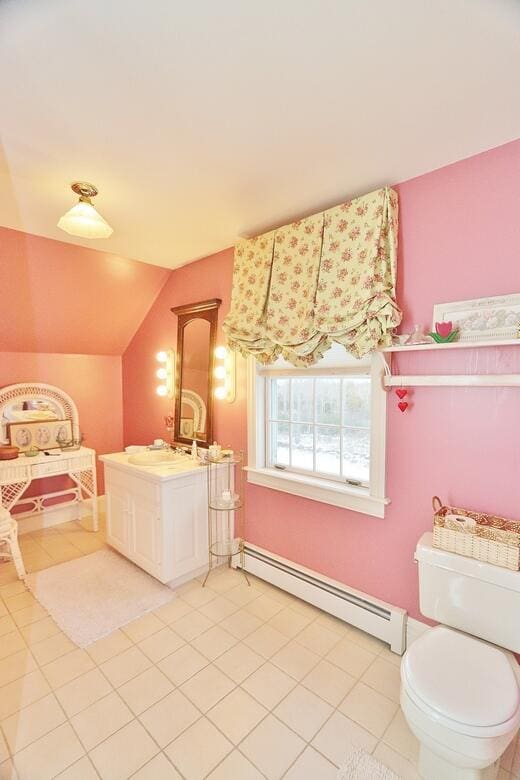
x: 356, y: 454
x: 327, y: 450
x: 356, y: 402
x: 280, y: 399
x: 302, y: 443
x: 328, y: 400
x: 280, y: 443
x: 302, y: 401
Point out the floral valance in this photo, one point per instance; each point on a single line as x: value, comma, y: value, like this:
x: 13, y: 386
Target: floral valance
x: 329, y: 277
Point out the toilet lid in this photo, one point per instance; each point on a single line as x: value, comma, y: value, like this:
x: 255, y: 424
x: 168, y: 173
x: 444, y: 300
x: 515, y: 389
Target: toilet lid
x: 462, y: 679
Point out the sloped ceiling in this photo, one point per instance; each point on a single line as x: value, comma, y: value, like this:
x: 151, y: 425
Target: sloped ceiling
x: 202, y: 120
x: 62, y: 298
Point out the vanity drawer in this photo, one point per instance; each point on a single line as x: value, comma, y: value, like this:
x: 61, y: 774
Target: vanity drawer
x: 55, y: 466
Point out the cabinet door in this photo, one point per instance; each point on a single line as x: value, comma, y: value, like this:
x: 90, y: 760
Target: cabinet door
x: 117, y: 518
x: 145, y: 534
x: 189, y: 529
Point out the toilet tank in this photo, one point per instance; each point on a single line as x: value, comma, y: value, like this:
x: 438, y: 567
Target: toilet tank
x: 475, y: 597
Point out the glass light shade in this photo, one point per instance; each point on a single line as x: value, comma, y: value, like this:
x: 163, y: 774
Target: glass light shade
x: 221, y: 352
x: 161, y: 373
x: 162, y: 390
x: 220, y: 392
x: 220, y: 372
x: 161, y: 357
x: 83, y: 220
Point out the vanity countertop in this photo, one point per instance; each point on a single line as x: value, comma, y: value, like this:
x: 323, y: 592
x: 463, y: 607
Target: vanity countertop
x: 158, y: 472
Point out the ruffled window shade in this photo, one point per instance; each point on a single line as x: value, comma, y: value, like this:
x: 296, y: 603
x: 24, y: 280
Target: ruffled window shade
x: 330, y: 277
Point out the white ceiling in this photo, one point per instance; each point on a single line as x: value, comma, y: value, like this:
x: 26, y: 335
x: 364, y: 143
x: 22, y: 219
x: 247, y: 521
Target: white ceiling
x: 200, y: 121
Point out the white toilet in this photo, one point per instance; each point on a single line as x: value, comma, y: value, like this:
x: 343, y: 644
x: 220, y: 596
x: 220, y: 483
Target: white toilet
x: 461, y: 694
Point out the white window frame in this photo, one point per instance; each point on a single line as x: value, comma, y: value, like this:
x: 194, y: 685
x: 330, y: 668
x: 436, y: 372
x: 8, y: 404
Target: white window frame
x: 368, y: 500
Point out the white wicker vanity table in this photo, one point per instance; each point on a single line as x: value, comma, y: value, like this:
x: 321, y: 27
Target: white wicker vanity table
x: 17, y: 475
x: 16, y: 403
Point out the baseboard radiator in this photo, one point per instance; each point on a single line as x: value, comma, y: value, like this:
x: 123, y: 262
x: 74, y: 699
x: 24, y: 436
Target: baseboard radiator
x: 376, y: 617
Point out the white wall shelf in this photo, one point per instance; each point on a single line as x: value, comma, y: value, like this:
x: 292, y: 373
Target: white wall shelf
x: 449, y: 380
x: 452, y: 345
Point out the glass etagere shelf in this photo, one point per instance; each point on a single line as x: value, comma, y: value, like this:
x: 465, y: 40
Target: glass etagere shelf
x: 225, y: 510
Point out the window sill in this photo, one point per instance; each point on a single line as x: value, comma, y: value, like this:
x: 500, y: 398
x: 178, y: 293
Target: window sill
x: 325, y: 491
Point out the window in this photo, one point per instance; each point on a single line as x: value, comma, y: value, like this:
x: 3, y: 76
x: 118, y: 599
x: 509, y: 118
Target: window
x: 320, y: 432
x: 320, y: 425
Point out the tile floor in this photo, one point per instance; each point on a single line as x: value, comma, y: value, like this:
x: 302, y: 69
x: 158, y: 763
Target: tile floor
x: 226, y: 683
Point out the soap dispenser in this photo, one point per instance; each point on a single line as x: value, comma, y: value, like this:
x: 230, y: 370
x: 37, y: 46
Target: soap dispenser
x: 194, y: 449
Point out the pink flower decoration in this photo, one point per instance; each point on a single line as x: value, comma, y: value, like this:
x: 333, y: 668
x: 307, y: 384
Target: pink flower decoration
x: 444, y: 329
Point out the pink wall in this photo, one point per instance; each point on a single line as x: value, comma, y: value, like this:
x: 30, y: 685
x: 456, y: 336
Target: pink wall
x: 144, y: 411
x: 94, y: 383
x: 459, y: 239
x: 57, y: 297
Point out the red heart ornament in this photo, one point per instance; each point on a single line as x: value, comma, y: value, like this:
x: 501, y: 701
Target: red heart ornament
x: 401, y: 392
x: 403, y: 406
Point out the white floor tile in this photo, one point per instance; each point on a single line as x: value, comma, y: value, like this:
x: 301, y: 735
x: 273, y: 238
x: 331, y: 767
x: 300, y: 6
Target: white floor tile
x: 124, y: 752
x: 16, y: 665
x: 239, y: 662
x: 32, y: 722
x: 169, y: 717
x: 22, y: 692
x: 241, y: 623
x: 290, y: 622
x: 385, y: 678
x: 11, y: 643
x: 272, y: 747
x: 333, y: 738
x: 318, y: 638
x: 369, y: 708
x: 80, y: 770
x: 161, y: 644
x: 235, y: 767
x: 192, y: 625
x: 173, y: 611
x: 350, y: 657
x: 329, y: 682
x: 67, y: 668
x: 237, y: 714
x: 146, y: 689
x: 143, y: 627
x: 100, y: 720
x: 182, y: 664
x: 51, y: 648
x: 214, y: 642
x: 108, y: 647
x: 264, y: 607
x: 207, y: 687
x: 125, y: 666
x: 198, y: 750
x: 265, y: 640
x: 218, y: 609
x: 49, y: 755
x: 159, y: 768
x: 312, y: 766
x: 303, y: 711
x: 403, y: 768
x: 83, y: 691
x: 399, y: 737
x: 269, y: 685
x: 295, y: 660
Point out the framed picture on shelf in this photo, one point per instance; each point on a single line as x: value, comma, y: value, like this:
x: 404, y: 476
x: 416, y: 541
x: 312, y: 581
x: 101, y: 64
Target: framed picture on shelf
x: 43, y: 434
x: 482, y: 319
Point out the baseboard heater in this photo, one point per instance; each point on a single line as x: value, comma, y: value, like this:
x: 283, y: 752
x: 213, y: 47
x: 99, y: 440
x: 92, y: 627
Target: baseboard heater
x: 376, y: 617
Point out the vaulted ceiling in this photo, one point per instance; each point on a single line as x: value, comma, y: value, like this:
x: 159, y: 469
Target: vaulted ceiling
x: 202, y: 120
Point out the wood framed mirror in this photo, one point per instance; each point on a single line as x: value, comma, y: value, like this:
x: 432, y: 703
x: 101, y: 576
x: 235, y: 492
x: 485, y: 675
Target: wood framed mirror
x: 196, y: 337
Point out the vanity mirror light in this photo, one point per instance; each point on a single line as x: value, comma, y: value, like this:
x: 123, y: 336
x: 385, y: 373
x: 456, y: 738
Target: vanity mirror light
x: 194, y: 390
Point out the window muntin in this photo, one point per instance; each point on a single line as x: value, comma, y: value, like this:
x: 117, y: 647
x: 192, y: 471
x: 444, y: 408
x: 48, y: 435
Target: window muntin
x: 320, y: 425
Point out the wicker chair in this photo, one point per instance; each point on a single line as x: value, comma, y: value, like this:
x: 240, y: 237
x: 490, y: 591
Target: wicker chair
x: 9, y: 540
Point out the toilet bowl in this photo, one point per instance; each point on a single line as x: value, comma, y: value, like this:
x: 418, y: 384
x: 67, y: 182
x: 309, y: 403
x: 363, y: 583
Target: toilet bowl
x: 460, y: 687
x: 461, y: 699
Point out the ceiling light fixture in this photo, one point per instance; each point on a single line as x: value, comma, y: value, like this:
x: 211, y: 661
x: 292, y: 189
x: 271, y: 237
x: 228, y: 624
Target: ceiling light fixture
x: 83, y: 219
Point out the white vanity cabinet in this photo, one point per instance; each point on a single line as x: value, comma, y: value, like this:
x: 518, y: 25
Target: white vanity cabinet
x: 157, y: 517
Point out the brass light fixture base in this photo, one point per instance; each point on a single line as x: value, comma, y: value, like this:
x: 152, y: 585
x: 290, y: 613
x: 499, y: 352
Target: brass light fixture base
x: 85, y: 190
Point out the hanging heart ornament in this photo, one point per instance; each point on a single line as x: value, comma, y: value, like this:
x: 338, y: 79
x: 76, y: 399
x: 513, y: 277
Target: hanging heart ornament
x: 403, y: 406
x: 401, y: 392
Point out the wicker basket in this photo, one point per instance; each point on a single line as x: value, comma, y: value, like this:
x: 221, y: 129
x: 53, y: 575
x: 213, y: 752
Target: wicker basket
x: 476, y: 535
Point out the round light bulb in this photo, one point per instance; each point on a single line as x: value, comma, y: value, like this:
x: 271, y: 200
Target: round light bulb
x: 220, y: 372
x: 220, y: 392
x: 162, y: 356
x: 221, y: 353
x: 162, y: 390
x: 161, y: 373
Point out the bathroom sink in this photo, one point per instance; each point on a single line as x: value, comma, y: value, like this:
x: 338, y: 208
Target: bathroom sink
x: 157, y: 458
